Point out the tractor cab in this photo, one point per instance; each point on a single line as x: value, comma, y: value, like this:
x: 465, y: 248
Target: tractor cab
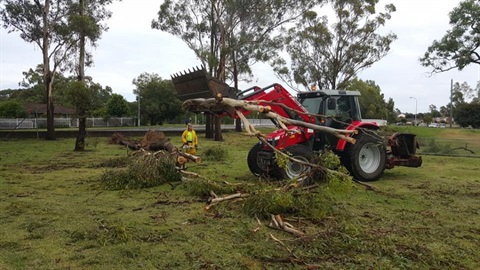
x: 335, y: 108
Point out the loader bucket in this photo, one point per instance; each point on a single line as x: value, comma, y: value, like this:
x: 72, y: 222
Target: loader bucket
x: 198, y: 84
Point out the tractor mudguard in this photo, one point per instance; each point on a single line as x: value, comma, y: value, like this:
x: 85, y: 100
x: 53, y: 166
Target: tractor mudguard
x: 281, y: 140
x: 355, y: 125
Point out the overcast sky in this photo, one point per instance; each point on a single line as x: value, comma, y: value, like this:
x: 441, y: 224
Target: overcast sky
x: 131, y: 47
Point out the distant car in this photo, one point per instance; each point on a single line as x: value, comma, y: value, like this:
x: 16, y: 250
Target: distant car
x: 442, y: 126
x: 433, y: 125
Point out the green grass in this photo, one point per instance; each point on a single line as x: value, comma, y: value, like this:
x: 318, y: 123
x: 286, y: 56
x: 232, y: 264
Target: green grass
x: 54, y: 214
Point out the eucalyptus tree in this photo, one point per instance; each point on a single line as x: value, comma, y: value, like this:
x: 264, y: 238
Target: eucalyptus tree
x: 228, y: 36
x: 460, y: 46
x: 332, y: 55
x: 44, y: 23
x: 85, y: 22
x: 216, y: 30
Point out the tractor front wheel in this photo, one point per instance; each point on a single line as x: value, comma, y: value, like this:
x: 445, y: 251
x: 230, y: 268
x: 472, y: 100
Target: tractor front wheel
x: 365, y: 159
x: 255, y: 163
x: 293, y: 169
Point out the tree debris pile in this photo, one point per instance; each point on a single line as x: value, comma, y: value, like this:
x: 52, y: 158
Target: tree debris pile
x: 151, y: 141
x: 118, y: 138
x: 143, y: 171
x: 156, y: 161
x: 266, y: 199
x: 156, y: 140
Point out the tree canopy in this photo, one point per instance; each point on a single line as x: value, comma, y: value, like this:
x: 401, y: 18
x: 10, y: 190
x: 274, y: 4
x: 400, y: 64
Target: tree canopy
x: 372, y: 102
x: 158, y: 98
x: 117, y: 106
x: 468, y: 114
x: 58, y: 28
x: 460, y: 46
x: 331, y: 56
x: 227, y: 36
x: 46, y: 25
x: 12, y: 109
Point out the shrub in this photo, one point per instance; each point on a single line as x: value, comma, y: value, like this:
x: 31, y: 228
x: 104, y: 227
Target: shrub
x: 215, y: 153
x: 434, y: 147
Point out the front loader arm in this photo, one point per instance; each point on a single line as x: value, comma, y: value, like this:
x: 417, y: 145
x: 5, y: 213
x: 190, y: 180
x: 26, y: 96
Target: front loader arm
x: 197, y: 84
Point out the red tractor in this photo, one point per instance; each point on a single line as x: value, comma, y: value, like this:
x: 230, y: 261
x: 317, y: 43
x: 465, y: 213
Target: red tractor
x: 366, y: 159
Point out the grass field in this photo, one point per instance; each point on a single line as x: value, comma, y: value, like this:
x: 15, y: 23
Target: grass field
x: 55, y: 215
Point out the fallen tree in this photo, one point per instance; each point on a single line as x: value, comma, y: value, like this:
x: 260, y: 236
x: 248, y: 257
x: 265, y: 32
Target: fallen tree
x: 235, y: 107
x: 154, y: 141
x: 296, y: 196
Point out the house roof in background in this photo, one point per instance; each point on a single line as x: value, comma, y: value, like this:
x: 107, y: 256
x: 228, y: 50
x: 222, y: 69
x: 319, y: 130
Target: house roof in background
x: 42, y: 109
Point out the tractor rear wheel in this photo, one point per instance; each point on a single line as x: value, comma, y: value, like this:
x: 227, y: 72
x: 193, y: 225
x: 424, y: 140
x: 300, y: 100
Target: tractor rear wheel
x: 365, y: 159
x: 292, y: 169
x: 255, y: 164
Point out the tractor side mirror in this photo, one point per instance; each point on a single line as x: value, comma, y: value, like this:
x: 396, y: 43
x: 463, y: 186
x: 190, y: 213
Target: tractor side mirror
x: 331, y: 104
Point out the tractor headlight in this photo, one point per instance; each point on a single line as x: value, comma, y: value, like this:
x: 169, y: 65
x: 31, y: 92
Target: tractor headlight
x: 273, y: 141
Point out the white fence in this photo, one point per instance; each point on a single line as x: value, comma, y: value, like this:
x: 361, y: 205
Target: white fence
x: 26, y: 123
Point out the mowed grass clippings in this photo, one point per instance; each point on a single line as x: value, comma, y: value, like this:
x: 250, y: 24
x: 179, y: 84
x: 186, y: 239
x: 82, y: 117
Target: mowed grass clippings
x: 54, y: 214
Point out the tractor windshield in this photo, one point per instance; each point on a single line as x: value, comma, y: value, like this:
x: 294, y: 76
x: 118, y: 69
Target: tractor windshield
x: 343, y: 108
x: 312, y: 105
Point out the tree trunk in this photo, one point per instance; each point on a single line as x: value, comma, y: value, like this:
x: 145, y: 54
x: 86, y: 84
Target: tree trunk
x: 208, y: 126
x: 47, y: 74
x: 234, y: 106
x: 82, y: 126
x: 218, y: 129
x: 238, y: 122
x: 82, y: 132
x: 50, y: 107
x: 238, y: 125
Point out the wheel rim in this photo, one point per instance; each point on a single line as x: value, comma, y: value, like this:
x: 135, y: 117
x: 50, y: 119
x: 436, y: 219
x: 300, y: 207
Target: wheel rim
x: 369, y: 158
x: 261, y: 165
x: 294, y: 169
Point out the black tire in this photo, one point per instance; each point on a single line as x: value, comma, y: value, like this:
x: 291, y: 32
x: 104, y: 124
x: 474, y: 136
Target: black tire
x: 254, y: 164
x: 365, y: 159
x: 294, y: 170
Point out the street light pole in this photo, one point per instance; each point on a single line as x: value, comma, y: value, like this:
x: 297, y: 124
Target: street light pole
x: 415, y: 110
x: 451, y: 103
x: 138, y: 113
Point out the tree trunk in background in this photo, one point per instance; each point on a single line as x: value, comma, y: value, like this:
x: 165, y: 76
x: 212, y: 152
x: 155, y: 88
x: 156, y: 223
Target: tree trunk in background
x: 48, y: 74
x: 82, y: 114
x: 50, y: 108
x: 218, y: 128
x: 208, y: 126
x: 238, y: 122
